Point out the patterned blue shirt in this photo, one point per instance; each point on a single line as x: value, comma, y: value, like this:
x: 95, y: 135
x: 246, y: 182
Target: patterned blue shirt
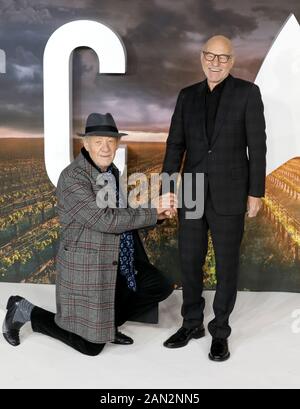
x: 126, y: 253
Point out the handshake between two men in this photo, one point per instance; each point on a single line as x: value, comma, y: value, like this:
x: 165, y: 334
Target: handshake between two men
x: 166, y: 206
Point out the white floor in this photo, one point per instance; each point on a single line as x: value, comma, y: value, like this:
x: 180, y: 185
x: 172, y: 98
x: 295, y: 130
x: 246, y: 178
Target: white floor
x: 265, y: 349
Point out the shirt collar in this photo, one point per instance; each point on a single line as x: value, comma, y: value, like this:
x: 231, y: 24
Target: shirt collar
x: 217, y: 88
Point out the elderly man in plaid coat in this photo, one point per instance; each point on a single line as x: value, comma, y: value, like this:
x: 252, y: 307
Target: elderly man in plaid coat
x: 215, y: 122
x: 104, y: 277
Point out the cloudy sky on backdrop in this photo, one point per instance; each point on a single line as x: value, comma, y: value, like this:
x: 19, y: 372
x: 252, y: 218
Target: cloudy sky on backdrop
x: 162, y: 37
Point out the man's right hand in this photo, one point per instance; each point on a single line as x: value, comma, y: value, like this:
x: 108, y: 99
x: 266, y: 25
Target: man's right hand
x: 166, y: 206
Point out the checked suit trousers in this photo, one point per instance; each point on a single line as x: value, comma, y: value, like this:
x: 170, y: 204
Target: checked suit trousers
x: 226, y: 232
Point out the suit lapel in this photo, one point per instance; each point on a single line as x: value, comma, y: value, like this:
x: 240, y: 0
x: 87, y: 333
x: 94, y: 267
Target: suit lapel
x: 116, y: 174
x: 224, y: 106
x: 87, y: 164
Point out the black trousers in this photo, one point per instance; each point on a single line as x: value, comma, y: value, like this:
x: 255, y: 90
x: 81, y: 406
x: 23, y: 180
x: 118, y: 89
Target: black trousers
x: 152, y: 287
x: 227, y: 233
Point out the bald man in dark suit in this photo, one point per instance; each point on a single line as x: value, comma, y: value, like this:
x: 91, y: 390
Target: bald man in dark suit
x: 214, y: 124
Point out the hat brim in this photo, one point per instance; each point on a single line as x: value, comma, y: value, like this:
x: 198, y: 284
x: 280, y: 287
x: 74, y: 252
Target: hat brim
x: 104, y: 133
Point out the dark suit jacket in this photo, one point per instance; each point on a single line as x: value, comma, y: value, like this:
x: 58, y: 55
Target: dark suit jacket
x: 240, y: 124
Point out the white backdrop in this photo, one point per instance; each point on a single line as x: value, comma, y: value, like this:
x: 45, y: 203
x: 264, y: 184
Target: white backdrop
x: 279, y: 82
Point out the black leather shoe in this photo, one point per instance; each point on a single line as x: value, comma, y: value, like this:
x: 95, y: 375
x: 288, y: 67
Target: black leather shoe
x: 122, y: 339
x: 219, y: 351
x: 11, y: 329
x: 183, y: 335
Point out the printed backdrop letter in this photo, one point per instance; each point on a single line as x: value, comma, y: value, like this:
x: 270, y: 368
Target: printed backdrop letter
x: 57, y: 83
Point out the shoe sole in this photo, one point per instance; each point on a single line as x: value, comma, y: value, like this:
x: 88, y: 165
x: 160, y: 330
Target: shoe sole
x: 196, y: 336
x: 4, y: 329
x: 8, y: 340
x: 10, y: 301
x: 225, y: 358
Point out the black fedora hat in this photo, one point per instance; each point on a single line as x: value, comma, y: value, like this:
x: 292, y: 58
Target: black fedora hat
x: 101, y: 125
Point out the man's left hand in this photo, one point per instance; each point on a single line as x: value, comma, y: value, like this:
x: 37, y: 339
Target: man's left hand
x: 253, y: 206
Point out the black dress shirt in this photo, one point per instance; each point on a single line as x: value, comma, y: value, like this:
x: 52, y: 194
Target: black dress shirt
x: 212, y: 100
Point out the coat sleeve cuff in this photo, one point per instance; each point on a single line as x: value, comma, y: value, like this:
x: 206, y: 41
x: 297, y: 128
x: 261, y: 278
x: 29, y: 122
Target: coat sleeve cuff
x: 152, y: 216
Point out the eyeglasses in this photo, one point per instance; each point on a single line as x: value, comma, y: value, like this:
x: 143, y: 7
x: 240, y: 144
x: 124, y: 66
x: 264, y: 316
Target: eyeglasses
x: 222, y: 58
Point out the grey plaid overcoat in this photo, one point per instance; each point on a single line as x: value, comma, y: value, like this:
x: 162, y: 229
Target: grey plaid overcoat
x: 88, y: 254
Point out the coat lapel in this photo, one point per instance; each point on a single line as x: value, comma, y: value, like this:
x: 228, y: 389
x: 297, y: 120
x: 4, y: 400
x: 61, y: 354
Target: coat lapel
x: 224, y: 106
x: 84, y: 162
